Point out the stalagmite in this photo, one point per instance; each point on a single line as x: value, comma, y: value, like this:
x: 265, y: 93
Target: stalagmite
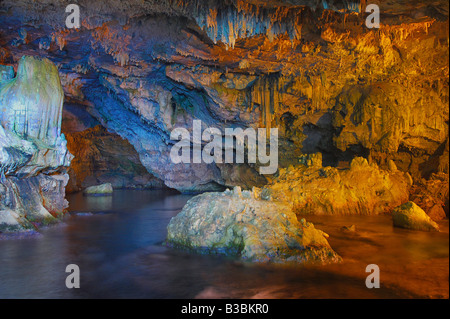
x: 31, y: 103
x: 33, y: 152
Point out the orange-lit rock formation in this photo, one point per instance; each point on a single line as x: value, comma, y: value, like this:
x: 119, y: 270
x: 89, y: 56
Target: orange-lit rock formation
x: 362, y: 189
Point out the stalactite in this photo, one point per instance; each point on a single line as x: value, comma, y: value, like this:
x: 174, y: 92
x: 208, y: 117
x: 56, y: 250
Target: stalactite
x: 228, y: 21
x: 113, y: 43
x: 265, y: 93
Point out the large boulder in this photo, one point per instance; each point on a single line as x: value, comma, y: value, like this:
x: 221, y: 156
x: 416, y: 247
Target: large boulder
x: 240, y: 223
x: 99, y: 190
x: 411, y: 216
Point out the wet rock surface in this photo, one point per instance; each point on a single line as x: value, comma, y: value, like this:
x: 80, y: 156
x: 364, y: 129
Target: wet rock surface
x: 362, y: 116
x: 411, y: 216
x: 240, y: 223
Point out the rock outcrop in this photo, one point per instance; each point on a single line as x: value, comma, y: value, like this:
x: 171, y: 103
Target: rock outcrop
x: 361, y: 189
x: 33, y: 153
x: 411, y: 216
x: 240, y: 223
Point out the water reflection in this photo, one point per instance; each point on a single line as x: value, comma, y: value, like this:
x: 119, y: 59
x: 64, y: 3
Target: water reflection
x: 98, y: 203
x: 119, y: 252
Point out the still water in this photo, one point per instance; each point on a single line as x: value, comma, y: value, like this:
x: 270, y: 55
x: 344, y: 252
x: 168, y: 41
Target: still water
x: 118, y: 248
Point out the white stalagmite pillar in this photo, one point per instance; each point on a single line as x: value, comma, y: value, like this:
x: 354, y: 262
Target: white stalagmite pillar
x: 32, y: 102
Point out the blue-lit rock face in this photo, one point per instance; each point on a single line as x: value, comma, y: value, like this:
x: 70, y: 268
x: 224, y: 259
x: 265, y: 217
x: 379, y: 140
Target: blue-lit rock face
x: 6, y: 73
x: 33, y: 152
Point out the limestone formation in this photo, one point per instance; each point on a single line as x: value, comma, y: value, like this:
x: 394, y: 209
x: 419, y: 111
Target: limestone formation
x: 33, y: 153
x: 31, y: 103
x: 361, y: 189
x: 411, y: 216
x: 6, y: 73
x: 240, y: 223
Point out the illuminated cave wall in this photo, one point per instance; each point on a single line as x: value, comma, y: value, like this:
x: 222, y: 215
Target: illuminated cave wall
x: 312, y: 69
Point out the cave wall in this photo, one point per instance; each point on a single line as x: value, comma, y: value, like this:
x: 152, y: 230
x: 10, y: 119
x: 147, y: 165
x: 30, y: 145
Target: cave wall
x: 327, y: 82
x: 101, y: 157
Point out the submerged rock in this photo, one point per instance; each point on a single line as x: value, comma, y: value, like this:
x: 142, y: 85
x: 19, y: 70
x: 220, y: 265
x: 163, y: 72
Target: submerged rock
x: 104, y: 189
x: 411, y: 216
x: 349, y: 229
x: 240, y: 224
x: 82, y: 213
